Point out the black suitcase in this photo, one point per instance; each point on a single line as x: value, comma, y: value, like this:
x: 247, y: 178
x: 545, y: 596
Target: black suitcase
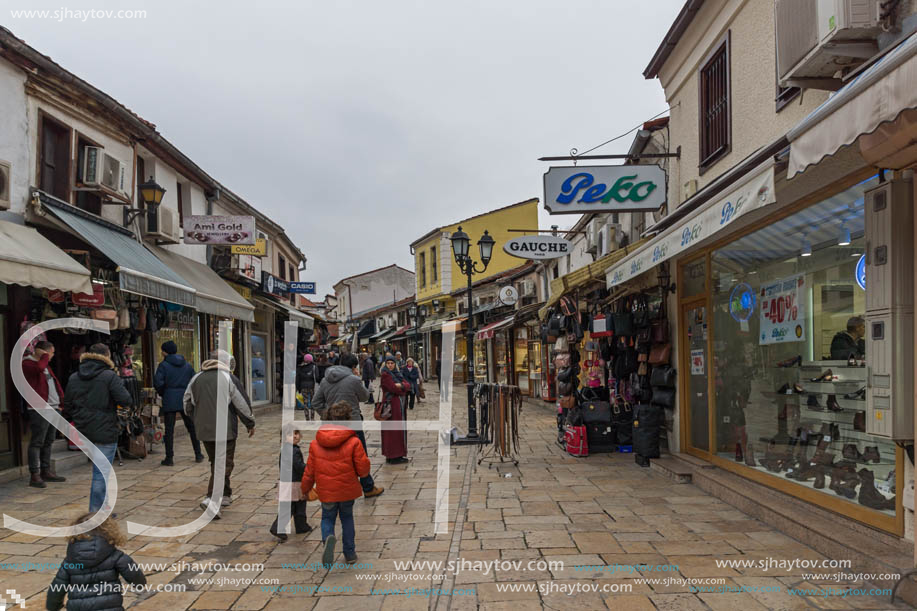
x: 647, y: 419
x: 601, y: 438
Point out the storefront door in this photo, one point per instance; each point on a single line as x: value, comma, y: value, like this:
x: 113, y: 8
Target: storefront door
x: 697, y: 364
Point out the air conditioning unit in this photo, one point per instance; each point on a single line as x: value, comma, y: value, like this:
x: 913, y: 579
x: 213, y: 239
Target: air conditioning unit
x: 528, y: 288
x: 593, y: 231
x: 102, y: 170
x: 817, y: 38
x: 162, y: 224
x: 5, y: 180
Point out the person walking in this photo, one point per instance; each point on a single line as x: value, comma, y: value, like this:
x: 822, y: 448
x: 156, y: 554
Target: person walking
x: 94, y: 566
x: 172, y: 377
x: 411, y: 374
x: 305, y: 379
x: 394, y: 442
x: 399, y: 360
x: 336, y: 460
x: 369, y: 374
x: 290, y: 490
x: 342, y: 385
x: 333, y: 358
x: 201, y: 405
x: 94, y: 392
x: 38, y: 373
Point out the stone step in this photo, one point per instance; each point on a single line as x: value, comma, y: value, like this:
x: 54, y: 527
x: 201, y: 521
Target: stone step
x: 673, y: 468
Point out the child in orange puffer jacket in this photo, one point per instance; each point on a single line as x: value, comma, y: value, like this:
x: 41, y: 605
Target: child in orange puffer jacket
x: 336, y: 462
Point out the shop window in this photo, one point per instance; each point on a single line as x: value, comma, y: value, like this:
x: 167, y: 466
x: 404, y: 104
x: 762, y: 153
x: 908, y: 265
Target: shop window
x: 54, y: 167
x: 433, y: 273
x: 714, y: 105
x: 789, y: 357
x: 422, y: 266
x: 292, y: 273
x: 694, y: 277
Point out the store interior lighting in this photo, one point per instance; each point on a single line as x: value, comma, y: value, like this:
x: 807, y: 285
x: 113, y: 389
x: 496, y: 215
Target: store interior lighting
x: 844, y: 238
x: 806, y: 248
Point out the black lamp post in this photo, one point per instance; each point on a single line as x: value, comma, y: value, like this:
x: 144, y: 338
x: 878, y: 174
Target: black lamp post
x: 460, y: 247
x: 151, y: 194
x: 417, y: 313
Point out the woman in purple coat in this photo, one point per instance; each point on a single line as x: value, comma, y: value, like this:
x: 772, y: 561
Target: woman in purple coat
x: 394, y: 442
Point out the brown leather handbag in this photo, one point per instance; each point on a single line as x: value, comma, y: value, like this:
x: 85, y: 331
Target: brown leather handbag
x: 568, y: 402
x: 660, y: 354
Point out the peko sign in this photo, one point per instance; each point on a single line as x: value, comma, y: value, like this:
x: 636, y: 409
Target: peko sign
x: 538, y: 247
x: 756, y: 192
x: 616, y: 188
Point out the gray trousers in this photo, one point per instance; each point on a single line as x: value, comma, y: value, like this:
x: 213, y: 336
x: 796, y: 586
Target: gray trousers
x: 40, y: 444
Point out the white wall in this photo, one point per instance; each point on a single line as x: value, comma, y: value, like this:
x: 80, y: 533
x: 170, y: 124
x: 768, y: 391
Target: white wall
x: 370, y: 291
x: 14, y: 134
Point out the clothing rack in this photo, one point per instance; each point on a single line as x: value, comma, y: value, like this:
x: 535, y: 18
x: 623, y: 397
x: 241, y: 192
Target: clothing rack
x: 500, y: 406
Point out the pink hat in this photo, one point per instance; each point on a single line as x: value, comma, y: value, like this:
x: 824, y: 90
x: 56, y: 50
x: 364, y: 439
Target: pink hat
x: 307, y: 358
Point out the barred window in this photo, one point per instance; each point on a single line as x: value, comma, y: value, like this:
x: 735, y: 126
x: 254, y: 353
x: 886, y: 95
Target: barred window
x: 715, y: 112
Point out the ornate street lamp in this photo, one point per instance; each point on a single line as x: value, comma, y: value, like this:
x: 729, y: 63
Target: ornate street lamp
x: 461, y: 244
x: 151, y: 194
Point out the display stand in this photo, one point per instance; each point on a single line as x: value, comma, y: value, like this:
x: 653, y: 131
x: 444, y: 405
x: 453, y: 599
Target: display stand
x: 500, y: 406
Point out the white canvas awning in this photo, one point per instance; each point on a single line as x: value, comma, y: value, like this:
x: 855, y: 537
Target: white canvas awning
x: 876, y: 96
x: 30, y: 259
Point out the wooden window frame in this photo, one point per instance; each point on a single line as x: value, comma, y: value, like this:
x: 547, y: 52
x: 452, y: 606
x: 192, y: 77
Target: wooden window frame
x: 709, y: 158
x: 281, y: 266
x: 422, y: 266
x: 42, y: 117
x: 433, y: 267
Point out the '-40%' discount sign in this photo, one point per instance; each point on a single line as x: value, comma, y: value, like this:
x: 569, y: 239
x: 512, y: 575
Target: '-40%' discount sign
x: 783, y: 311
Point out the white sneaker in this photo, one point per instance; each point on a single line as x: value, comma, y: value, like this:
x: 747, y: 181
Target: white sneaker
x: 226, y: 502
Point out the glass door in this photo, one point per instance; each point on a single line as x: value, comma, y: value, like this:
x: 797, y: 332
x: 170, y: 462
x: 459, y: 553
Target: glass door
x: 694, y: 320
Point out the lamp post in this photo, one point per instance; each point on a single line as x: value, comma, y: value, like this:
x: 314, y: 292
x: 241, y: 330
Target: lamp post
x: 151, y: 194
x: 460, y: 247
x: 417, y: 313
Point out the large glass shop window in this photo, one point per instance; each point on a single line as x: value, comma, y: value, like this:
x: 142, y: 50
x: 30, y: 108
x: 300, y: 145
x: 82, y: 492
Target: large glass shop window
x: 788, y: 323
x: 180, y: 328
x: 501, y: 357
x: 480, y: 360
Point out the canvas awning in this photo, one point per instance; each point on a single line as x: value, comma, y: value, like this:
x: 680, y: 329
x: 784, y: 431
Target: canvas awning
x: 214, y: 295
x: 488, y: 331
x: 139, y: 270
x: 30, y: 259
x: 401, y: 331
x: 876, y: 96
x: 305, y: 321
x: 367, y: 328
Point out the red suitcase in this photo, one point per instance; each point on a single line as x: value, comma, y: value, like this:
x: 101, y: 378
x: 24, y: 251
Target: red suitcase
x: 575, y: 438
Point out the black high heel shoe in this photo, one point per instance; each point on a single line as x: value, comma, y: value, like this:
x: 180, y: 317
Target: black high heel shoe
x: 825, y: 377
x: 796, y: 360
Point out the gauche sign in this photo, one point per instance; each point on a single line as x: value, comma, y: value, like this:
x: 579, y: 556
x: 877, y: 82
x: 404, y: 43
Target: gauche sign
x: 616, y: 188
x: 538, y: 247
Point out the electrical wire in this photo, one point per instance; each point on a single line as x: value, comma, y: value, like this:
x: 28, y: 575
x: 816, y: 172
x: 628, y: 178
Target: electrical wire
x: 575, y: 153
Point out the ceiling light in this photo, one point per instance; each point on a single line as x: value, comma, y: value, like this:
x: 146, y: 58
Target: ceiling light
x: 844, y: 238
x: 854, y: 254
x: 806, y: 248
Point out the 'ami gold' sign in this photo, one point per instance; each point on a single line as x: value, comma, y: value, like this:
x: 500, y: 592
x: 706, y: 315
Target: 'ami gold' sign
x: 258, y: 249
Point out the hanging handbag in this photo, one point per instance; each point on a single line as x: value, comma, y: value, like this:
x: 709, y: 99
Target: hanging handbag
x: 641, y: 315
x: 568, y: 402
x: 659, y: 331
x: 600, y: 327
x: 662, y: 377
x: 663, y: 397
x: 564, y: 389
x: 642, y: 369
x: 622, y: 412
x: 623, y: 321
x: 562, y: 344
x: 561, y: 360
x: 660, y: 354
x: 383, y: 409
x: 568, y: 306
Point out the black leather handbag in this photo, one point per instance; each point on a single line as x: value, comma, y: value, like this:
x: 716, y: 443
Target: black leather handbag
x: 596, y: 412
x: 662, y: 377
x: 663, y: 397
x: 647, y: 419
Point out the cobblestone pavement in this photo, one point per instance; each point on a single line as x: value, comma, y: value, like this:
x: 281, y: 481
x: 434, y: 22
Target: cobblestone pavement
x: 602, y: 510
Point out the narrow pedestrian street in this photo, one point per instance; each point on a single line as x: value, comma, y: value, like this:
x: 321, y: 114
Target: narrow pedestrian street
x: 600, y: 510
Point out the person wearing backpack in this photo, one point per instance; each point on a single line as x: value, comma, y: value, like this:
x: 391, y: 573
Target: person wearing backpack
x: 306, y: 375
x: 172, y: 377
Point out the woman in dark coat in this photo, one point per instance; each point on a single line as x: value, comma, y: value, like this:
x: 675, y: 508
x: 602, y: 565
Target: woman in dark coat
x: 171, y: 379
x: 394, y: 442
x: 411, y: 374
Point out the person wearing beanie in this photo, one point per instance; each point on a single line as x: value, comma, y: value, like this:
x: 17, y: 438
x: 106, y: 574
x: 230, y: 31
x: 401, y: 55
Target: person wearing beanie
x: 307, y: 379
x: 172, y: 377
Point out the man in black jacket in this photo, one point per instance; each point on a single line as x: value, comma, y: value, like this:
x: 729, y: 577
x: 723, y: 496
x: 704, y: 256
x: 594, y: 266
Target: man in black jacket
x: 850, y: 343
x: 91, y: 402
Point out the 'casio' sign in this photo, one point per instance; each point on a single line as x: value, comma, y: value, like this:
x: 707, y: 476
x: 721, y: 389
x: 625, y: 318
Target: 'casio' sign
x: 538, y: 247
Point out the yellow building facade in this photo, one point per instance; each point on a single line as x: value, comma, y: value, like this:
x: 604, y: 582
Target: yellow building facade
x: 436, y: 272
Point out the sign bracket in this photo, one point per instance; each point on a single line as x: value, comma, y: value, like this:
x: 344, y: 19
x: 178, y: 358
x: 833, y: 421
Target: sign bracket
x: 574, y: 158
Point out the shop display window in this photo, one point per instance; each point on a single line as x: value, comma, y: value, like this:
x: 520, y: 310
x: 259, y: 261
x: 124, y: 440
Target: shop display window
x: 789, y: 361
x: 480, y: 361
x: 521, y: 362
x: 460, y: 364
x: 184, y: 338
x: 259, y: 367
x: 501, y: 357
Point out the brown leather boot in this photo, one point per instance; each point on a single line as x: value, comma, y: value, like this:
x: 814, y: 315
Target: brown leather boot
x: 869, y: 496
x: 871, y: 453
x: 51, y: 476
x: 36, y: 481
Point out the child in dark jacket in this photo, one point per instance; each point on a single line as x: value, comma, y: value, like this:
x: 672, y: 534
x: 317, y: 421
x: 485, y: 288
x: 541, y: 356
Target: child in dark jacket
x: 289, y: 490
x: 336, y: 462
x: 96, y: 565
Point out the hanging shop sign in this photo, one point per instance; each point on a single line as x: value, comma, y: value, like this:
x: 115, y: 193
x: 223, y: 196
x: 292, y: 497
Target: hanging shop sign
x: 258, y: 249
x: 219, y: 229
x: 538, y: 247
x: 509, y: 295
x: 614, y: 188
x: 783, y: 311
x: 861, y: 272
x: 306, y: 288
x: 273, y: 285
x: 244, y: 291
x: 754, y: 193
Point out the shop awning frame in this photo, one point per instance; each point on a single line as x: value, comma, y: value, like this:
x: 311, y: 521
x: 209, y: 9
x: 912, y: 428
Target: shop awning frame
x: 305, y: 321
x: 876, y: 96
x: 28, y: 258
x: 213, y: 295
x: 139, y: 270
x: 488, y: 331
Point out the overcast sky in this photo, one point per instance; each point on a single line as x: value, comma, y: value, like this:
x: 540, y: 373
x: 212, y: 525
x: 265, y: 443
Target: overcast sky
x: 360, y: 126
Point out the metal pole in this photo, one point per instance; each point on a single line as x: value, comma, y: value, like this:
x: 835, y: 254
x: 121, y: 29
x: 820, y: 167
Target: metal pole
x: 469, y: 342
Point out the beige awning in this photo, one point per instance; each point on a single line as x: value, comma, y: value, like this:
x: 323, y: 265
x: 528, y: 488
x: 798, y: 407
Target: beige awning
x: 304, y: 320
x: 876, y: 96
x: 213, y: 295
x: 30, y: 259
